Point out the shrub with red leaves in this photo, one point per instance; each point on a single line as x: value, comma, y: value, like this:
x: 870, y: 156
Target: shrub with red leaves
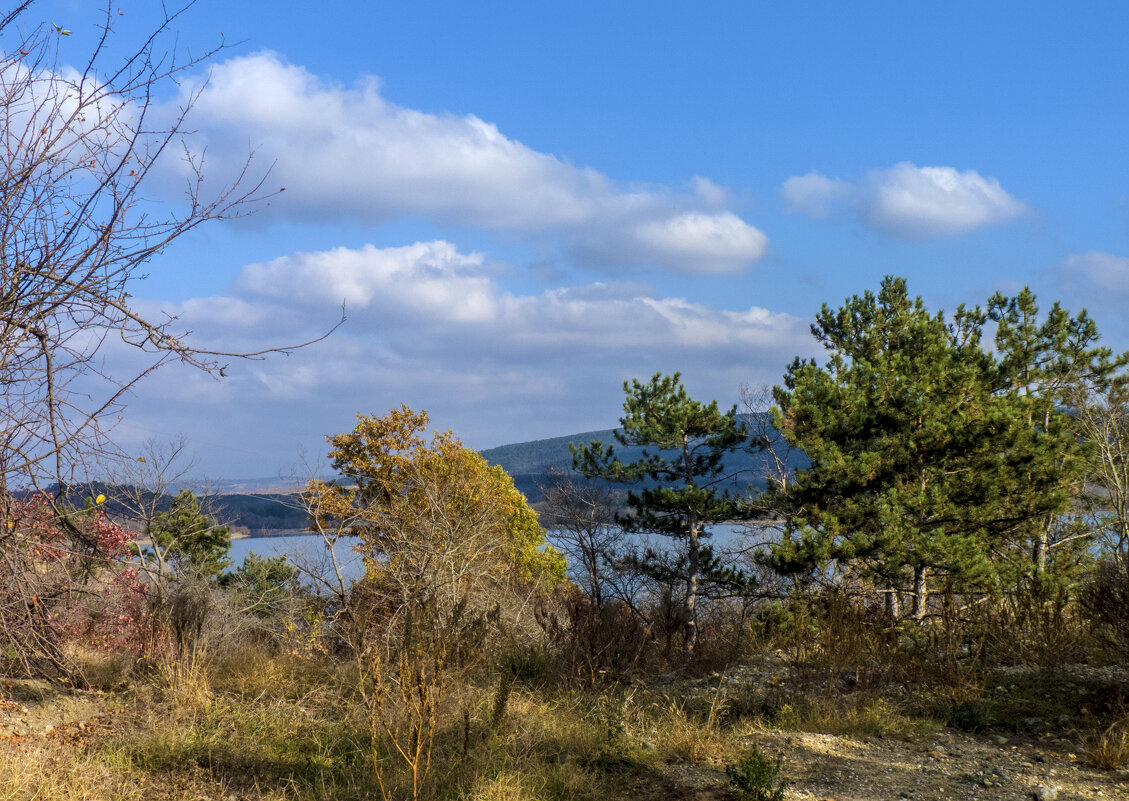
x: 65, y: 580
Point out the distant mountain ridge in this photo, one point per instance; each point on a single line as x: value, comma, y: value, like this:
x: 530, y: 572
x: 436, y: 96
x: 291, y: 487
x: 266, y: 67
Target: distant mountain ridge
x: 531, y: 463
x: 267, y: 506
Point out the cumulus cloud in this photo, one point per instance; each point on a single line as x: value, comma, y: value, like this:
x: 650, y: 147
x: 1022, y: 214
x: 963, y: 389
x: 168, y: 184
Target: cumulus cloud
x: 1102, y: 270
x: 427, y: 278
x: 907, y: 201
x: 431, y: 326
x: 813, y: 194
x: 430, y: 297
x: 348, y: 152
x: 913, y: 202
x: 695, y: 241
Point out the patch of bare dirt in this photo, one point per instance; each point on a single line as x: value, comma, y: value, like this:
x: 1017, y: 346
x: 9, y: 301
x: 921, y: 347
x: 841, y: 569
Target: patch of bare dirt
x: 949, y: 766
x: 938, y: 765
x: 32, y: 709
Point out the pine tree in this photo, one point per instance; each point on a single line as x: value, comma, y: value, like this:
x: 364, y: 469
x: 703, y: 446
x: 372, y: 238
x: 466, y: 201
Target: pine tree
x: 690, y: 439
x: 922, y: 459
x: 1051, y: 367
x: 190, y: 537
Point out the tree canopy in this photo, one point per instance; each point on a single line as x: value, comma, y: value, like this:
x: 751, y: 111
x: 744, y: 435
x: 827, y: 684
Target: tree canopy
x: 688, y: 495
x: 417, y: 505
x: 927, y: 450
x: 189, y: 538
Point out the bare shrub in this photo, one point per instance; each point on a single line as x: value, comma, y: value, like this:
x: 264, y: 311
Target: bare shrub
x: 63, y: 576
x: 1104, y: 600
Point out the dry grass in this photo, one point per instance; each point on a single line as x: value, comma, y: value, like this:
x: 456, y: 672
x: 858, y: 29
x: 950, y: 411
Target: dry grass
x: 861, y: 715
x: 682, y: 735
x: 47, y: 772
x: 277, y: 727
x: 1108, y: 749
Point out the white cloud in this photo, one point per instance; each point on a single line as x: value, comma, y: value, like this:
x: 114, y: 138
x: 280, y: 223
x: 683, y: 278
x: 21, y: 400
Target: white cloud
x: 1102, y: 270
x: 347, y: 152
x: 907, y: 201
x: 697, y: 242
x: 813, y: 194
x: 430, y: 297
x: 431, y: 327
x: 915, y: 202
x: 430, y: 278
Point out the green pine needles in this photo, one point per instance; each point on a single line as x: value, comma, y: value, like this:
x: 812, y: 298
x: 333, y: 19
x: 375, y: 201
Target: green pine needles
x: 754, y: 778
x: 683, y: 475
x: 936, y: 460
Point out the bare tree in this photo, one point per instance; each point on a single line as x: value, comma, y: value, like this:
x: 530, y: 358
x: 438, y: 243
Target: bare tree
x: 767, y: 511
x: 1103, y: 421
x: 580, y: 518
x: 79, y: 144
x: 81, y: 140
x: 139, y: 490
x: 757, y: 403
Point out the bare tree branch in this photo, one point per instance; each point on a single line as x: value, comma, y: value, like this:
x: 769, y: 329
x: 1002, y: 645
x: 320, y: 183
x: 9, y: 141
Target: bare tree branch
x: 79, y: 148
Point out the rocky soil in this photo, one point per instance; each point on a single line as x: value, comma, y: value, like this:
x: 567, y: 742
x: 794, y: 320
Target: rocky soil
x: 1046, y: 762
x: 939, y: 765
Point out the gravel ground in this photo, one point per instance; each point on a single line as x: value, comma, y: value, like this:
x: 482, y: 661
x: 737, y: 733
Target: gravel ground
x: 941, y: 765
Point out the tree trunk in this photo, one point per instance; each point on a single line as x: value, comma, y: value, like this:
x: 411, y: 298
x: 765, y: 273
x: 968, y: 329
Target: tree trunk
x: 692, y: 589
x: 893, y: 603
x: 693, y: 557
x: 1041, y: 545
x: 920, y: 591
x: 596, y: 594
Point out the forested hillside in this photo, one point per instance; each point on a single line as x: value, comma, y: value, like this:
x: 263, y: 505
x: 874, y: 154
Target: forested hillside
x: 531, y: 463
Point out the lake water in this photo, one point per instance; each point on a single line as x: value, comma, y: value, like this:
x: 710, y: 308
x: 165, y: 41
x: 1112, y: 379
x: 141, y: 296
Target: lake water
x: 308, y: 551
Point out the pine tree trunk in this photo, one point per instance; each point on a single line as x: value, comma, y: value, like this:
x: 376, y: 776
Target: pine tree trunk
x: 1040, y: 555
x: 893, y: 603
x: 693, y: 556
x: 920, y: 592
x: 692, y: 589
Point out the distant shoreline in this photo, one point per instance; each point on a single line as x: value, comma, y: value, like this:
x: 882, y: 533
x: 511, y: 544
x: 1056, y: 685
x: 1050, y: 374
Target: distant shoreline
x: 145, y: 542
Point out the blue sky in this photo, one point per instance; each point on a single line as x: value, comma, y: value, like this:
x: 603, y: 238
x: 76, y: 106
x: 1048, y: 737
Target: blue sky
x: 523, y: 204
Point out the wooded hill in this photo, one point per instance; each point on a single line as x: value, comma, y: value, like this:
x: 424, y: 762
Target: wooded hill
x: 531, y: 463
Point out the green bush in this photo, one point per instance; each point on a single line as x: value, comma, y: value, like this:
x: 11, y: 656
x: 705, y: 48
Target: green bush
x: 972, y: 716
x: 754, y: 778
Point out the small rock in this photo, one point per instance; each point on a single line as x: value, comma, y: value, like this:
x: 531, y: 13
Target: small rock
x: 999, y: 740
x: 1044, y: 793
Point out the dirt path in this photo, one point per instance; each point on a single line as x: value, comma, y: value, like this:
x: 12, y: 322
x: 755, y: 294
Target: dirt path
x: 34, y: 710
x: 952, y: 766
x: 943, y: 766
